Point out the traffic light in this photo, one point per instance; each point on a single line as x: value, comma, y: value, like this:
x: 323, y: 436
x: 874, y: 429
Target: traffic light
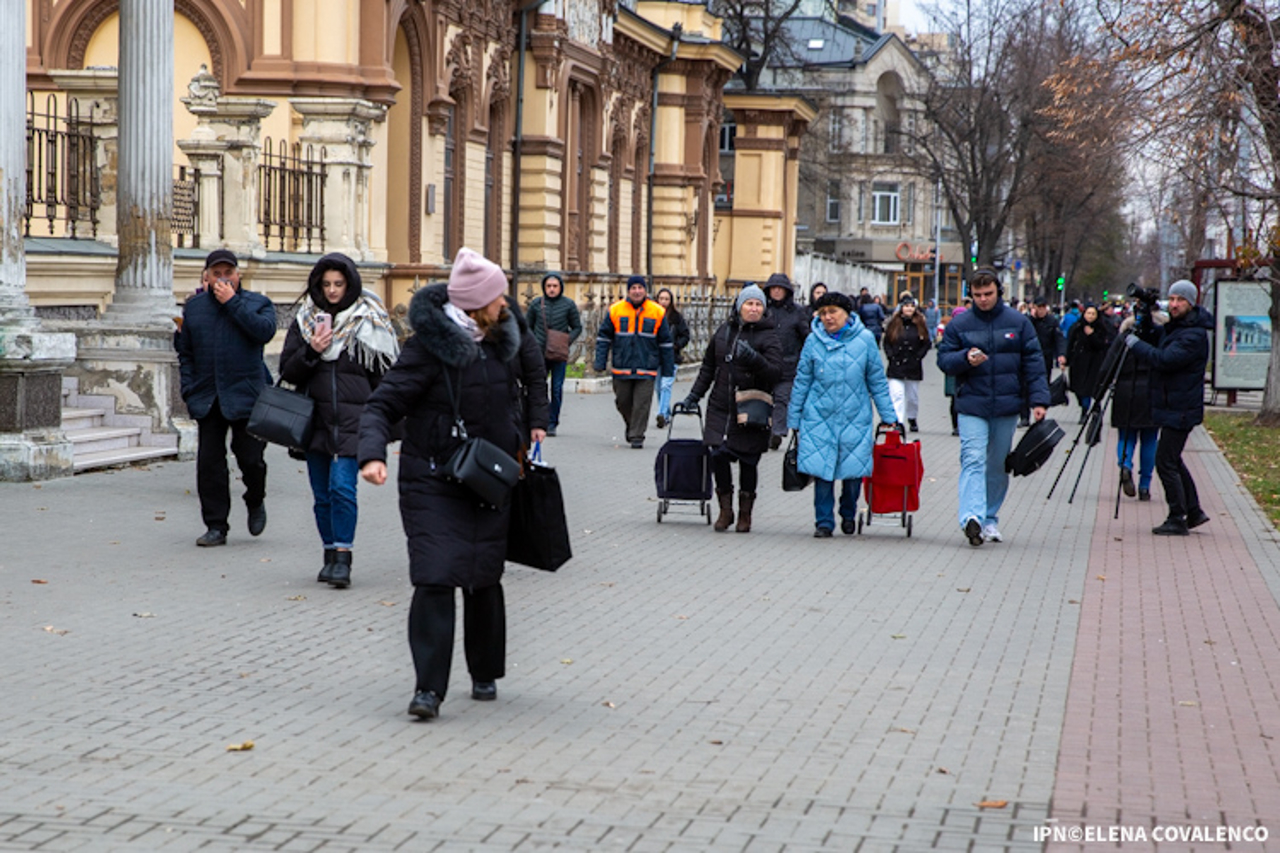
x: 1062, y: 282
x: 1104, y: 294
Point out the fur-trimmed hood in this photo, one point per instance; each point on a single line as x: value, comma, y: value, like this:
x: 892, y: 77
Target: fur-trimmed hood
x: 446, y: 340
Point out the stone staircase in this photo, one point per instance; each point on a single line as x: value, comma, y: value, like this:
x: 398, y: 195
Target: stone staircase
x: 100, y: 438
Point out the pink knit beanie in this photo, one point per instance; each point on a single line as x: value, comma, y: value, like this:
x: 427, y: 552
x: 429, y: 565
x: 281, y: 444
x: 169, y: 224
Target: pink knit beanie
x: 475, y: 281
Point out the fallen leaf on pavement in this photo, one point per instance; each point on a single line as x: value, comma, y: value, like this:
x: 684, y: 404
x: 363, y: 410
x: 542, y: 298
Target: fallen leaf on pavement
x: 716, y: 742
x: 897, y: 636
x: 963, y: 588
x: 904, y: 731
x: 680, y: 616
x: 944, y: 771
x: 1186, y: 703
x: 992, y: 804
x: 1102, y: 577
x: 38, y: 580
x: 53, y: 630
x: 265, y: 560
x: 296, y: 598
x: 387, y: 603
x: 566, y: 660
x: 240, y: 747
x: 608, y: 704
x: 145, y: 615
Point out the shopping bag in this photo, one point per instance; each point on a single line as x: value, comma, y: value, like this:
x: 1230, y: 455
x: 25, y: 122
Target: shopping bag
x: 539, y: 533
x: 283, y: 417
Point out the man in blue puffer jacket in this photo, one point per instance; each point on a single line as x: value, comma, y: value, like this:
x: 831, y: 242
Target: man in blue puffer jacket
x: 994, y: 353
x: 1177, y: 360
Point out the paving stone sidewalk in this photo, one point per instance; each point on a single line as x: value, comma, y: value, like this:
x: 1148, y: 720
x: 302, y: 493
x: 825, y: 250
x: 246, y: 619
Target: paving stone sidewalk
x: 670, y: 689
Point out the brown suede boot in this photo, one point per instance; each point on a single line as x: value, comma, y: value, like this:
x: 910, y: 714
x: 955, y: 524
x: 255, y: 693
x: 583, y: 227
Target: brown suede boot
x: 726, y: 512
x: 746, y: 501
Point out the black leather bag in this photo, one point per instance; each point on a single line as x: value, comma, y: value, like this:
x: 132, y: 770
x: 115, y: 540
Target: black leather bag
x: 1035, y: 448
x: 539, y: 533
x: 479, y: 464
x: 282, y: 417
x: 793, y: 480
x: 1058, y: 391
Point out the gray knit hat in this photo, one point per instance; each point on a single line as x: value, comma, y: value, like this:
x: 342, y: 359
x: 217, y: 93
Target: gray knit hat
x: 751, y: 291
x: 1185, y: 289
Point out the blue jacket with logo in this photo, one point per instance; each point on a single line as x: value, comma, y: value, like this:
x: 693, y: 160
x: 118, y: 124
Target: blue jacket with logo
x: 1014, y: 368
x: 1178, y: 360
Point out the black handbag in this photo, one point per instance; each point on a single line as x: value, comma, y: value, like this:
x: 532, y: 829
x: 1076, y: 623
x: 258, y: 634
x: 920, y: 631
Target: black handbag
x: 479, y: 464
x: 793, y: 479
x: 1058, y: 390
x: 1035, y: 448
x: 539, y: 533
x: 283, y: 417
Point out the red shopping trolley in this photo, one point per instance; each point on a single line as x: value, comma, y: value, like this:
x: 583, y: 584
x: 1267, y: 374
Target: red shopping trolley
x: 896, y: 471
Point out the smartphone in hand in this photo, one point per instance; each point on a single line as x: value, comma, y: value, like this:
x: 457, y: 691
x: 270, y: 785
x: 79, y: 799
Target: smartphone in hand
x: 323, y: 323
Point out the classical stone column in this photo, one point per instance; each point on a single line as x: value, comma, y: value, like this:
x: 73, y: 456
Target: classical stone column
x: 144, y: 271
x: 32, y: 444
x: 342, y: 126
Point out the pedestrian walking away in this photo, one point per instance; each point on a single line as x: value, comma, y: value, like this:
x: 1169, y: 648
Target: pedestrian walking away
x: 871, y: 313
x: 740, y: 368
x: 222, y: 372
x: 640, y: 340
x: 463, y: 364
x: 1053, y: 345
x: 793, y: 324
x: 1177, y: 359
x: 336, y: 350
x: 838, y: 377
x: 994, y: 354
x: 680, y: 338
x: 554, y: 312
x: 906, y: 341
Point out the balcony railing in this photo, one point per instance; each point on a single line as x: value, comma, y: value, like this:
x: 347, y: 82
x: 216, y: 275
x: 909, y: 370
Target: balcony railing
x: 291, y: 206
x: 62, y: 182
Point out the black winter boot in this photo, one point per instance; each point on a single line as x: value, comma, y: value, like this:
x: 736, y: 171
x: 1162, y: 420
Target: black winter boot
x: 746, y: 502
x: 726, y: 512
x: 340, y: 578
x: 326, y: 573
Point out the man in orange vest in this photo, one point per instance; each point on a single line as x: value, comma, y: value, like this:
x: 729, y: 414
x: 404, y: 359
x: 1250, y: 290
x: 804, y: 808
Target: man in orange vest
x: 642, y: 350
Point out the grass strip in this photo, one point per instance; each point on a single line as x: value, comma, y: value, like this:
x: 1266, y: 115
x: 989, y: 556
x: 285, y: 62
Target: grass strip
x: 1254, y: 453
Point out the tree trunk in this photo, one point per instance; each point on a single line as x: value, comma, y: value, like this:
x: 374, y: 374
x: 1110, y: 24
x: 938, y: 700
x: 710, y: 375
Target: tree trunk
x: 1270, y: 414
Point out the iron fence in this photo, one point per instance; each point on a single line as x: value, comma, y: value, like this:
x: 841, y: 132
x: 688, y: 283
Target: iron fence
x: 291, y: 196
x: 185, y: 224
x: 62, y: 181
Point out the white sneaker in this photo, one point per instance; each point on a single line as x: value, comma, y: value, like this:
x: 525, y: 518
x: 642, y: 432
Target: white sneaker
x: 991, y: 533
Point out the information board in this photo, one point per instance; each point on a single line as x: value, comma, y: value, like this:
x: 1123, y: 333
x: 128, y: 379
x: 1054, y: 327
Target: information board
x: 1242, y: 339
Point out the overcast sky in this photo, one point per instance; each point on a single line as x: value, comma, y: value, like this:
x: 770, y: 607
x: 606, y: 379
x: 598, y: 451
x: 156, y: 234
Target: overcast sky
x: 912, y: 18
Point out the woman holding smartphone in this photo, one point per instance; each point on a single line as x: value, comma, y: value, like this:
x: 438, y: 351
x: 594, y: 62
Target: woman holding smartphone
x: 336, y: 351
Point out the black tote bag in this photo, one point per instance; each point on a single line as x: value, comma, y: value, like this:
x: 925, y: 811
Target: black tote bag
x: 792, y: 478
x: 539, y: 533
x: 283, y: 417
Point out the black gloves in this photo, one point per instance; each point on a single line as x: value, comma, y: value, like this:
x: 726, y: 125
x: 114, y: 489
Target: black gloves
x: 746, y: 354
x: 689, y: 403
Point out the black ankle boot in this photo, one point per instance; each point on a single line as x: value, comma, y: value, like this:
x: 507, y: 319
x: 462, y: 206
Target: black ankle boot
x: 340, y: 577
x: 326, y: 573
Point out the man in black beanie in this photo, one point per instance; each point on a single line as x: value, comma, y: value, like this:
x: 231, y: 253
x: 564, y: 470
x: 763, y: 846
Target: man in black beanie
x: 636, y: 331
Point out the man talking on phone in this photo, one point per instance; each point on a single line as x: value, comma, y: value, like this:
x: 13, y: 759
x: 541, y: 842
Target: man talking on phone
x: 220, y: 360
x: 994, y: 354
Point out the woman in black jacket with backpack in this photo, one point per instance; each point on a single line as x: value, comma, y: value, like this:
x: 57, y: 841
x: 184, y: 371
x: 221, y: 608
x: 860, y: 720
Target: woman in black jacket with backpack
x: 741, y: 365
x: 336, y: 350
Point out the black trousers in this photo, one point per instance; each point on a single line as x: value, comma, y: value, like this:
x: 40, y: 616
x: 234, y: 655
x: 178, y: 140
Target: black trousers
x: 211, y: 467
x: 431, y: 626
x: 1179, y: 489
x: 722, y: 459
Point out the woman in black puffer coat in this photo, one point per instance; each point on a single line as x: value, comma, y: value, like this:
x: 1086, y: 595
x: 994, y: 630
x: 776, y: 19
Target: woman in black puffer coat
x: 906, y: 341
x: 468, y: 346
x: 1087, y: 344
x: 337, y: 364
x: 742, y: 361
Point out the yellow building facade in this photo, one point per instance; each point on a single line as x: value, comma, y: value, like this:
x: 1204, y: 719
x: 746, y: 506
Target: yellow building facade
x: 424, y: 127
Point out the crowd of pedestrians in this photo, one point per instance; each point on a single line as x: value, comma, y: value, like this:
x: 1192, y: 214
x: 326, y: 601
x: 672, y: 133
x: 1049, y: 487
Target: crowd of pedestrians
x: 476, y: 368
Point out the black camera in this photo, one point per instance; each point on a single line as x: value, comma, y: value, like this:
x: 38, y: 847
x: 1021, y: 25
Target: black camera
x: 1148, y: 296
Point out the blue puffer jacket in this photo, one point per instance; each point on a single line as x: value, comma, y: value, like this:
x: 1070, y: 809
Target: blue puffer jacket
x: 836, y: 380
x: 220, y: 352
x: 1177, y: 369
x: 1014, y: 367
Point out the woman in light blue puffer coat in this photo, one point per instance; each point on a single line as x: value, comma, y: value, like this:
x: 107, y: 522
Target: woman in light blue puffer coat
x: 839, y: 374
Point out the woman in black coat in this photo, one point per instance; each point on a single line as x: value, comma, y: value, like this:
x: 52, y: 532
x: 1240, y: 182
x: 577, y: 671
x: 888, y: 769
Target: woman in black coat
x: 468, y: 354
x: 679, y: 340
x: 336, y: 350
x: 742, y: 363
x: 1087, y: 344
x: 1131, y: 417
x: 906, y: 340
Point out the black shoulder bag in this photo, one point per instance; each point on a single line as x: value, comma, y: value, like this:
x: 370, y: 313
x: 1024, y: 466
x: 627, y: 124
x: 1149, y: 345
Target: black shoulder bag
x: 478, y: 463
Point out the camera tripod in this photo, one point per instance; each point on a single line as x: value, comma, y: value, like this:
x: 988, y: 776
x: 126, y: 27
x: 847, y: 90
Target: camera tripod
x: 1092, y: 427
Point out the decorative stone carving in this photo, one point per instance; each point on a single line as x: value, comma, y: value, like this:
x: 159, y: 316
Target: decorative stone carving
x: 457, y: 62
x: 548, y: 55
x: 203, y: 92
x: 498, y: 77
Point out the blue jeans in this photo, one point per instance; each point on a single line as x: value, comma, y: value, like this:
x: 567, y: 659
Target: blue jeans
x: 984, y: 443
x: 333, y: 484
x: 824, y: 501
x: 1145, y: 441
x: 556, y: 369
x: 664, y: 395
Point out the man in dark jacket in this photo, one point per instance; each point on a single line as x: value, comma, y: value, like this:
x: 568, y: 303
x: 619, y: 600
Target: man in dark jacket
x: 995, y: 356
x: 220, y: 360
x: 1053, y: 345
x: 634, y: 329
x: 553, y: 311
x: 792, y: 323
x: 1177, y: 360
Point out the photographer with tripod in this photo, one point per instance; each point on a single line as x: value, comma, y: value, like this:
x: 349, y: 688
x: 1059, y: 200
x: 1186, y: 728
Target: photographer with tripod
x: 1177, y: 359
